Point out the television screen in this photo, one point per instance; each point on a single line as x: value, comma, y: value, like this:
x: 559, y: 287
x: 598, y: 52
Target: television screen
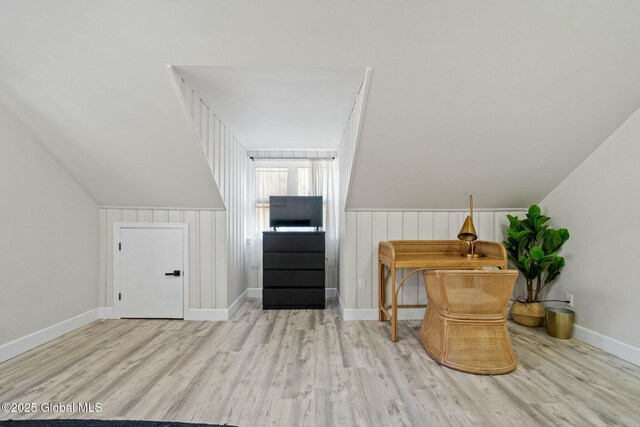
x: 295, y: 211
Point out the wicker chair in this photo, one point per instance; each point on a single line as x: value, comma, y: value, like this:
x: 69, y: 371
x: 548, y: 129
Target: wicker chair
x: 465, y: 324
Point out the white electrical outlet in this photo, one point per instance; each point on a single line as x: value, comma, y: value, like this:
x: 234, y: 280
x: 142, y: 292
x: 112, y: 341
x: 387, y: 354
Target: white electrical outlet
x: 569, y: 297
x: 362, y: 284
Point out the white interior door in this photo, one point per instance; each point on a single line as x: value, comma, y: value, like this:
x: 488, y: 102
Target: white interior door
x: 151, y: 273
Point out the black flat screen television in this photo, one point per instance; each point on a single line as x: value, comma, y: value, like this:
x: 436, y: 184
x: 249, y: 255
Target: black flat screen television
x: 295, y: 211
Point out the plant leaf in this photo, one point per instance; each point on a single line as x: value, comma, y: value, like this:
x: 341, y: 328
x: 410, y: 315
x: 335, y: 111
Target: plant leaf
x: 552, y: 241
x: 513, y: 220
x: 534, y: 210
x: 564, y: 234
x: 543, y: 219
x: 551, y: 277
x: 537, y: 253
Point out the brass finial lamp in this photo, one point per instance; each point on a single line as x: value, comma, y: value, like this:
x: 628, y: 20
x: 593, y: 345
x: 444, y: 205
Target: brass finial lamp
x: 468, y: 232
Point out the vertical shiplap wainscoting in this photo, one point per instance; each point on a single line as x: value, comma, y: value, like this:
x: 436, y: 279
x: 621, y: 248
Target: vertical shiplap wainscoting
x: 207, y: 251
x: 364, y: 229
x: 229, y: 164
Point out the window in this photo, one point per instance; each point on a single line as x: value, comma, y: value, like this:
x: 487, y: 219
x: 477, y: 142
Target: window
x: 270, y: 181
x: 288, y: 178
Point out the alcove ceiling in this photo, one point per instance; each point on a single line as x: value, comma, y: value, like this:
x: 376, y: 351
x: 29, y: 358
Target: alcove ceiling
x: 279, y: 108
x: 498, y: 98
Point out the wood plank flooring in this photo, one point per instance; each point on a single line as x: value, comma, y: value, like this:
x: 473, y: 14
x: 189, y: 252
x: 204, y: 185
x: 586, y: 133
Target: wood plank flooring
x: 309, y: 368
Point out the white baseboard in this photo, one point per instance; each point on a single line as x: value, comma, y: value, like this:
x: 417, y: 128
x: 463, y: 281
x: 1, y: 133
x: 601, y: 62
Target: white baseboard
x: 411, y: 314
x: 237, y: 303
x: 372, y: 313
x: 217, y: 314
x: 349, y: 314
x: 610, y: 345
x: 105, y: 313
x: 257, y: 292
x: 28, y: 342
x: 254, y: 293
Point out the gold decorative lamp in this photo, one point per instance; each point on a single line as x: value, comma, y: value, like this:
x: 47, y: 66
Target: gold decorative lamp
x: 468, y: 232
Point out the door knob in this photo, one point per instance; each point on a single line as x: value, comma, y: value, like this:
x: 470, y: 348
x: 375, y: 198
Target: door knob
x: 175, y: 273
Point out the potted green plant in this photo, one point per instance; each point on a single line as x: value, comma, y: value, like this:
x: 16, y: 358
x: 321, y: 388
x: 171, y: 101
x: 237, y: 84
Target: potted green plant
x: 533, y: 248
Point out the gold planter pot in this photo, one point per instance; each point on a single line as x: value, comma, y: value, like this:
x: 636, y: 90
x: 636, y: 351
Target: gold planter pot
x: 527, y: 314
x: 560, y: 322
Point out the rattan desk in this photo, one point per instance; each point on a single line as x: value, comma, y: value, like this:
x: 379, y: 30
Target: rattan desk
x: 423, y: 255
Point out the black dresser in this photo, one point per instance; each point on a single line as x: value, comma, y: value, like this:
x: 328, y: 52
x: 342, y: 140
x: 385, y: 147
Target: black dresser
x: 293, y: 269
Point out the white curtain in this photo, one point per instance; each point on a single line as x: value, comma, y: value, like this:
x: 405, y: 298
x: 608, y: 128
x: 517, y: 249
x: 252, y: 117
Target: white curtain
x: 305, y: 177
x: 324, y: 184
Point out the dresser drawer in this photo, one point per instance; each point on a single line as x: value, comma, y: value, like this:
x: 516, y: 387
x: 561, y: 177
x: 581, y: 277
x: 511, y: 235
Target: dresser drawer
x: 293, y: 298
x: 293, y: 242
x: 293, y: 279
x: 293, y: 261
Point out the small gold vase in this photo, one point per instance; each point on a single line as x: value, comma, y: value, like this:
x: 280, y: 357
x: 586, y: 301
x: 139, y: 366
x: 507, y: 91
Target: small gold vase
x: 560, y: 322
x: 527, y: 314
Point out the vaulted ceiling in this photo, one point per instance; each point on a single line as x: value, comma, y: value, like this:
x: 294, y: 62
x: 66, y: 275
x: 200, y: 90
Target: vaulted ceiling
x: 501, y: 98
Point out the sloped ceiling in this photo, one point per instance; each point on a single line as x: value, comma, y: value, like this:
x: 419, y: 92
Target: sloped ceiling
x: 499, y: 98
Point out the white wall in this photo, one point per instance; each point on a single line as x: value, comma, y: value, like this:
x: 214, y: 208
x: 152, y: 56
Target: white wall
x: 365, y: 229
x: 216, y: 237
x: 49, y: 240
x: 207, y: 251
x: 599, y: 204
x: 361, y: 230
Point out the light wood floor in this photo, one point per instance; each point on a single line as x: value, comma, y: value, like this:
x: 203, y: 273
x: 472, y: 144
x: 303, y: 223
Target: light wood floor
x: 293, y: 368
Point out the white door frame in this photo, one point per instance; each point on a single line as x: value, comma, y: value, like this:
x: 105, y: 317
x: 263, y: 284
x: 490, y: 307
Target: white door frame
x: 118, y: 226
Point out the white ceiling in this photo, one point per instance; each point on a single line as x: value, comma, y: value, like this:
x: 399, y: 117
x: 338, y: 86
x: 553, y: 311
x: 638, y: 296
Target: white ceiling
x: 279, y: 107
x: 501, y: 98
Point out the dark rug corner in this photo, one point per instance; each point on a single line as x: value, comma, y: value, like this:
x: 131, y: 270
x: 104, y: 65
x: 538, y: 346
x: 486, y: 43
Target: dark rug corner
x: 102, y: 423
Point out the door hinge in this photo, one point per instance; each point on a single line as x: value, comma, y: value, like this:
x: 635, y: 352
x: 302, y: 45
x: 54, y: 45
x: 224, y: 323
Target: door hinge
x: 119, y: 296
x: 119, y: 246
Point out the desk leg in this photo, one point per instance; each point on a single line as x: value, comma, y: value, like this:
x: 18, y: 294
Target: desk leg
x: 382, y: 294
x: 394, y: 307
